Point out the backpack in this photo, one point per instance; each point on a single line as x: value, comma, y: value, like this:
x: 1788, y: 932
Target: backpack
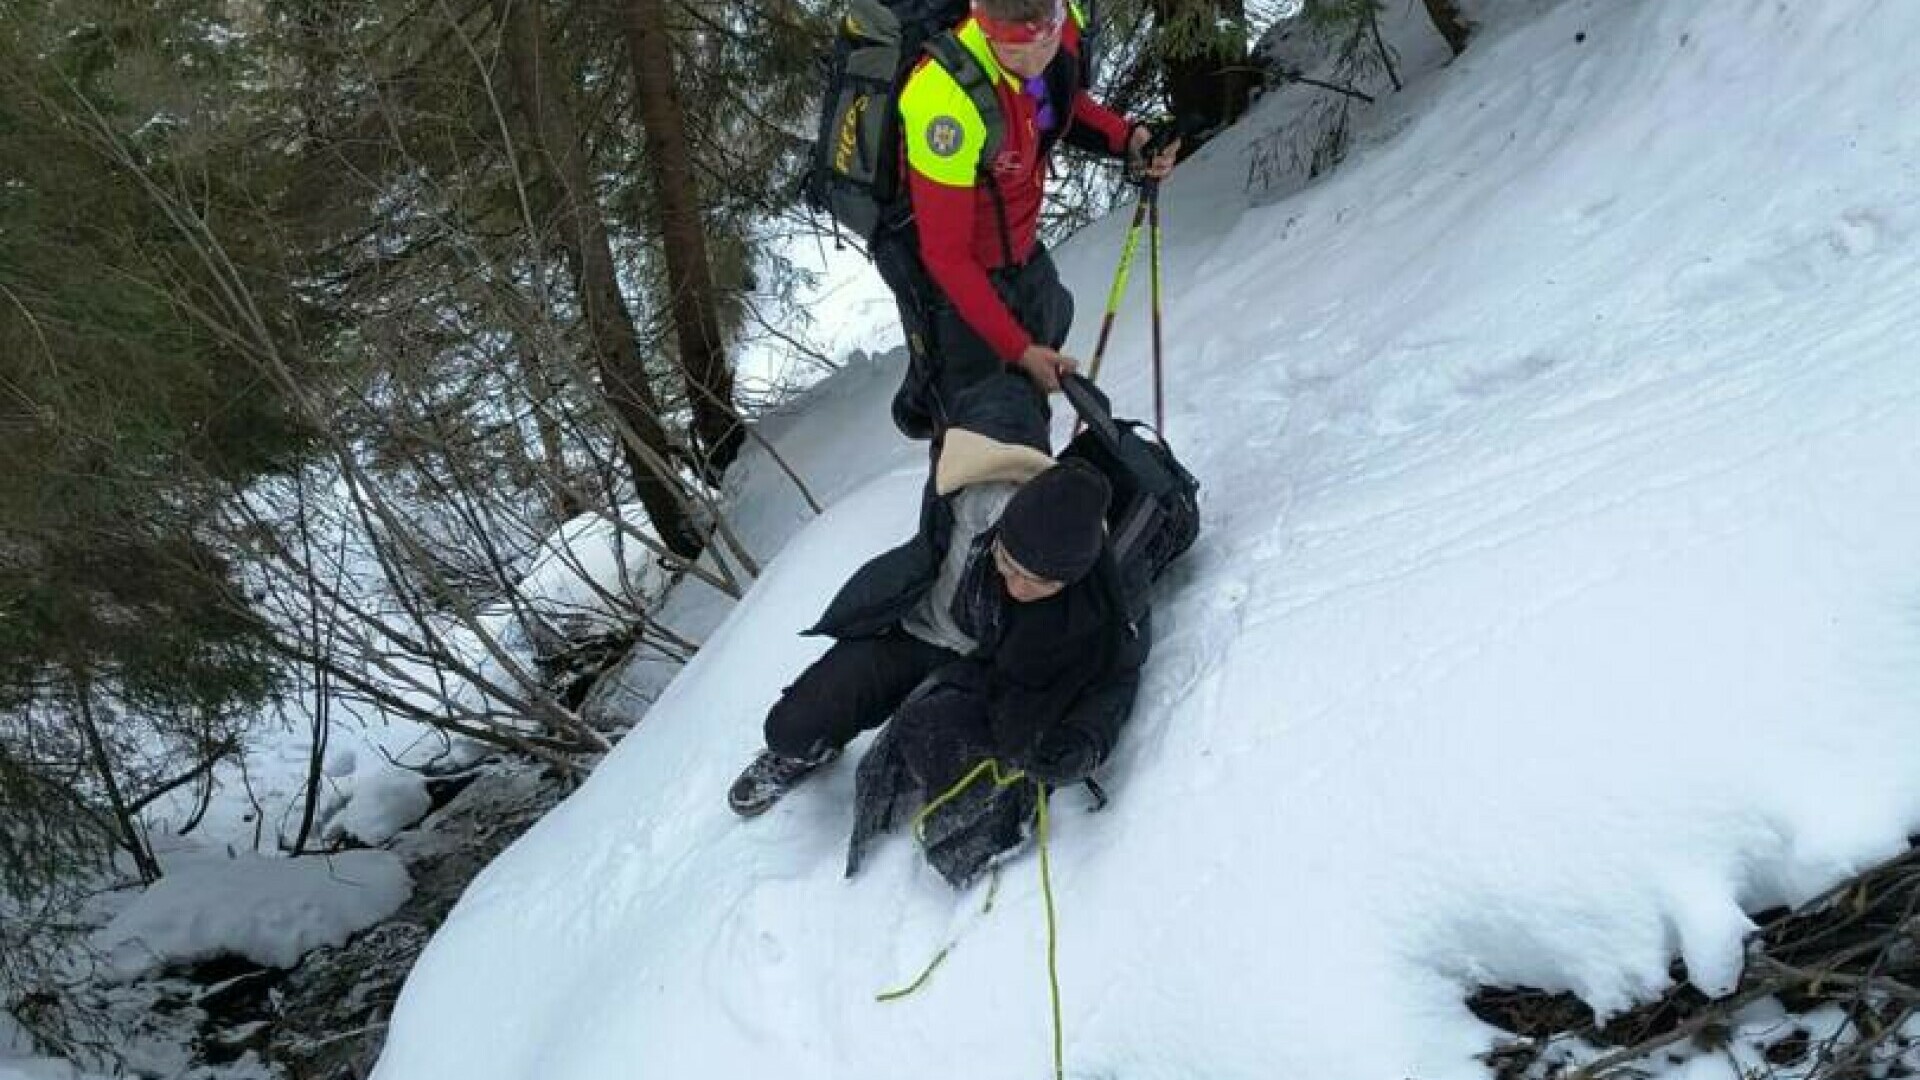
x: 1154, y: 516
x: 854, y: 170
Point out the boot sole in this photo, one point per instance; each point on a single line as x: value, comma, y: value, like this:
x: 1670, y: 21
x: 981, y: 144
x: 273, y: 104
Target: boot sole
x: 750, y: 811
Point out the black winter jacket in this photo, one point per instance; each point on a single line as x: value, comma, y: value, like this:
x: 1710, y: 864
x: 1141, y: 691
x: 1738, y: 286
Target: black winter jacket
x: 1074, y: 658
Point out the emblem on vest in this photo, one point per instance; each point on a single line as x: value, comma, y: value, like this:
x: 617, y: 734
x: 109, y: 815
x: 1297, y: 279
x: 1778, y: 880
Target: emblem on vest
x: 945, y: 135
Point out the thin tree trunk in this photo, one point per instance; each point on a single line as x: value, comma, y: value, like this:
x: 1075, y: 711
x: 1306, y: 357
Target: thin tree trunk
x: 123, y: 817
x: 1448, y: 20
x: 321, y: 721
x: 616, y: 347
x: 1380, y: 44
x: 695, y: 312
x: 566, y: 502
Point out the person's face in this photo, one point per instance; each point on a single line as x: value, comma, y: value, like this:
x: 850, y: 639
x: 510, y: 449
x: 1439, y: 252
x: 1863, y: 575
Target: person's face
x: 1030, y: 58
x: 1023, y: 586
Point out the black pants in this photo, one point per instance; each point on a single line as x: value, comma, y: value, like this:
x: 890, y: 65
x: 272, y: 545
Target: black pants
x: 937, y: 737
x: 945, y: 356
x: 853, y: 688
x: 943, y: 732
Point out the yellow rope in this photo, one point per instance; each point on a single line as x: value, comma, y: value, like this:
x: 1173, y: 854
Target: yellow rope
x: 1053, y: 937
x: 993, y: 889
x: 990, y: 767
x: 896, y: 995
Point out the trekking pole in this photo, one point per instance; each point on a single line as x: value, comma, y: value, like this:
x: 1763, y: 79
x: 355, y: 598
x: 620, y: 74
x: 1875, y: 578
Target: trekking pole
x: 1151, y: 196
x: 1119, y: 288
x: 1147, y: 208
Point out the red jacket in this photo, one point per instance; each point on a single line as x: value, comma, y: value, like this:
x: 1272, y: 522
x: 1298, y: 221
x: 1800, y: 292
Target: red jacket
x: 958, y: 224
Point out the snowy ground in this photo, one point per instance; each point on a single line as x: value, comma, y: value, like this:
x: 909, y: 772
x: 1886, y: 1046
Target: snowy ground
x: 1557, y: 602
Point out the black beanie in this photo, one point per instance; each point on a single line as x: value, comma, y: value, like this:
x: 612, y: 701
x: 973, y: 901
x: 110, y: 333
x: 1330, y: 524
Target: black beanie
x: 1054, y: 525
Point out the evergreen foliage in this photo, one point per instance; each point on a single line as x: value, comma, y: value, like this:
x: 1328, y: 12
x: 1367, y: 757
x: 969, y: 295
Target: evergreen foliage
x: 126, y: 419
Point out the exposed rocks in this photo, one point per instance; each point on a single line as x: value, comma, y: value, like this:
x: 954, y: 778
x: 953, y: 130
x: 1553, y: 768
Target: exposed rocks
x: 326, y: 1019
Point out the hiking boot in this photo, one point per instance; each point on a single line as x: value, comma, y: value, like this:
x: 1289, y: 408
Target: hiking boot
x: 769, y: 776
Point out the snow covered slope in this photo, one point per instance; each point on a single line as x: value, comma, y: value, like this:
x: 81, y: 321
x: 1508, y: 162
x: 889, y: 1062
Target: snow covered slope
x: 1560, y: 597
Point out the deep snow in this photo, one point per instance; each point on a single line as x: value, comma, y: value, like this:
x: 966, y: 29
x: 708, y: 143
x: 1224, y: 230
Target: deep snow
x: 269, y: 910
x: 1559, y: 599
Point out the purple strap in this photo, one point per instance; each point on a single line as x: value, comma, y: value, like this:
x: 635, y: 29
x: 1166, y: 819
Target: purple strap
x: 1036, y: 88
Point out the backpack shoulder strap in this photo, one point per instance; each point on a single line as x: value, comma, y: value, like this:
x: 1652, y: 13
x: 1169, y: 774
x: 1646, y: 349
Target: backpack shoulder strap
x: 976, y: 83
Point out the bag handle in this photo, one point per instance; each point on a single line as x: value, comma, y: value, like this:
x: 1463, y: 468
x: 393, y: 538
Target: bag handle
x: 1092, y: 406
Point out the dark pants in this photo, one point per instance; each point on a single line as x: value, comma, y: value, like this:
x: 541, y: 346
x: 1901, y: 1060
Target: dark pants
x: 937, y: 737
x: 943, y: 732
x: 942, y: 735
x: 945, y: 356
x: 855, y: 687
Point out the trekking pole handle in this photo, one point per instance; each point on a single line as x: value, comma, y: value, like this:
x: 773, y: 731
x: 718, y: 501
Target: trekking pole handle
x: 1159, y: 137
x: 1162, y: 134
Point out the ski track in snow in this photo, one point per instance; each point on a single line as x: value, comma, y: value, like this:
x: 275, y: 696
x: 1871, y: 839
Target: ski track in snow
x: 1556, y: 468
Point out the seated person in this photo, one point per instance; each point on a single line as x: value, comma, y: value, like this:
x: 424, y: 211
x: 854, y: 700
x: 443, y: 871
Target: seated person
x: 1003, y: 612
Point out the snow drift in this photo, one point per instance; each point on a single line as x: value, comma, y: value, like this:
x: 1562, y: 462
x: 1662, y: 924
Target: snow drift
x: 1559, y: 600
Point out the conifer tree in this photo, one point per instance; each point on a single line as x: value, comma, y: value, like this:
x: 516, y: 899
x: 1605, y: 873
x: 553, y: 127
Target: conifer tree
x: 129, y: 657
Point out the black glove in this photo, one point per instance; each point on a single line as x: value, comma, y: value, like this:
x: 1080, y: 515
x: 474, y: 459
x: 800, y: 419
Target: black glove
x: 1064, y: 756
x: 1161, y: 133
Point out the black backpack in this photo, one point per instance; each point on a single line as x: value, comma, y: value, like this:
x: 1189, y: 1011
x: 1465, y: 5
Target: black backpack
x: 1154, y: 516
x: 853, y: 172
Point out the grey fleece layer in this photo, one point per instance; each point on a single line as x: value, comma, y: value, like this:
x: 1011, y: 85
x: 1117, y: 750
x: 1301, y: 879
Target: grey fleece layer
x: 977, y: 475
x: 975, y: 508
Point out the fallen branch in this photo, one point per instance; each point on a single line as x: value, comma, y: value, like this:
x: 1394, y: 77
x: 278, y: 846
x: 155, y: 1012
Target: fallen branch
x: 1855, y: 946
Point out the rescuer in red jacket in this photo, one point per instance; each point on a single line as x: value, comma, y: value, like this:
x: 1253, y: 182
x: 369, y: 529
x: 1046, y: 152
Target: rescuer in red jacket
x: 978, y: 294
